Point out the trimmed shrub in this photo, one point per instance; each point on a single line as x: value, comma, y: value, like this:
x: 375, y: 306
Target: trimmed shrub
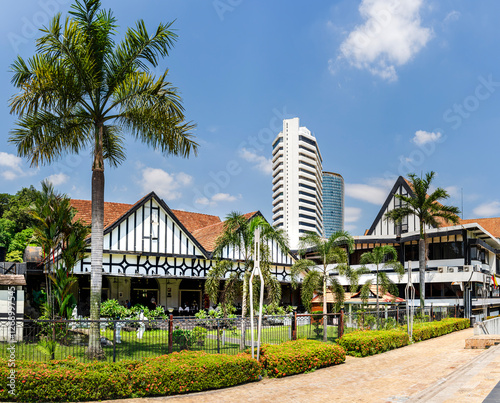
x: 298, y: 356
x: 369, y: 342
x: 425, y: 331
x: 69, y: 380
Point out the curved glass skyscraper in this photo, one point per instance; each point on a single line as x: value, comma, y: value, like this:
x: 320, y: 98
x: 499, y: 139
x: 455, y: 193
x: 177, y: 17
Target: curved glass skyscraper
x: 333, y: 203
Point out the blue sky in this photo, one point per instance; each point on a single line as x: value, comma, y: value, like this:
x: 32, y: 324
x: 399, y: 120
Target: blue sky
x: 388, y: 87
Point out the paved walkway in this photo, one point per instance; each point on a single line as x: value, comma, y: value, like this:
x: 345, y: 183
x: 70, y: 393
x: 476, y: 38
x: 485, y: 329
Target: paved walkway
x: 436, y: 370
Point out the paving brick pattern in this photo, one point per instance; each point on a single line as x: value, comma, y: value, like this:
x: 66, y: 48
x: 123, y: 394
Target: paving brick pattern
x: 437, y: 370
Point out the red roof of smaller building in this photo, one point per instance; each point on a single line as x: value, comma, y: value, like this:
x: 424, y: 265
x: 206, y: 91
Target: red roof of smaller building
x: 205, y: 228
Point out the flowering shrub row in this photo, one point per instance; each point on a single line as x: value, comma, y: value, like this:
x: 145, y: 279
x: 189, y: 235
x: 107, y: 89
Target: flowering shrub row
x: 295, y: 357
x: 424, y: 331
x: 69, y: 380
x: 369, y: 342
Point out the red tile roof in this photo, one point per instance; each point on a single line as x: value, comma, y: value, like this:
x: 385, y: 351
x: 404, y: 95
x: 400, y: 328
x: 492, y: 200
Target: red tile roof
x: 204, y: 227
x: 195, y: 221
x: 112, y: 211
x: 207, y: 236
x: 492, y: 225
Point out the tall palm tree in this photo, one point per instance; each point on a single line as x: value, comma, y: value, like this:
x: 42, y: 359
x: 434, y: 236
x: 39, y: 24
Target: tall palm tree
x: 82, y: 91
x: 386, y: 256
x: 317, y: 277
x: 238, y: 235
x: 429, y: 211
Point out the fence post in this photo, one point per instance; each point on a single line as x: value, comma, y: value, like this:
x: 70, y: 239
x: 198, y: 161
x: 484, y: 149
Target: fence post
x: 218, y: 336
x: 397, y: 314
x: 455, y: 311
x: 431, y: 316
x: 294, y: 326
x: 52, y: 355
x: 170, y: 331
x: 341, y: 324
x: 114, y: 341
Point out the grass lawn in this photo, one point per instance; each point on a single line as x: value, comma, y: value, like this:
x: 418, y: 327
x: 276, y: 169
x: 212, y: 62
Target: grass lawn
x: 153, y: 343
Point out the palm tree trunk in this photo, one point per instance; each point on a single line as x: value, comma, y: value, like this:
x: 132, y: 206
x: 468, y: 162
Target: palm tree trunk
x: 95, y: 350
x: 421, y: 265
x: 325, y: 309
x: 243, y: 311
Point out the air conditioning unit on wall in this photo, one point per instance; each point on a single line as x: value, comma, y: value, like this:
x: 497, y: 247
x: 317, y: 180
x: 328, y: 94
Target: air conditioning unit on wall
x: 452, y: 269
x: 442, y: 269
x: 467, y: 267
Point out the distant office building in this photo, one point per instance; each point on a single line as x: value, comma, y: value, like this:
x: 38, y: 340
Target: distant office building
x: 333, y: 203
x: 297, y: 182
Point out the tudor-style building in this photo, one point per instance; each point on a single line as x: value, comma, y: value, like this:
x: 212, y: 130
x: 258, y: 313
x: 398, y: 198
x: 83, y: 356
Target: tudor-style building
x: 461, y: 258
x: 152, y: 251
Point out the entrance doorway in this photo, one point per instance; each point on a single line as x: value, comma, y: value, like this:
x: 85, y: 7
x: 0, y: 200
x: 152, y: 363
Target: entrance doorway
x: 144, y: 291
x: 190, y: 294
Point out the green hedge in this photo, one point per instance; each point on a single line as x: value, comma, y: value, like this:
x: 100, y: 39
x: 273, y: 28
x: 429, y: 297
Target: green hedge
x: 298, y: 356
x: 69, y: 380
x: 425, y: 331
x: 369, y: 342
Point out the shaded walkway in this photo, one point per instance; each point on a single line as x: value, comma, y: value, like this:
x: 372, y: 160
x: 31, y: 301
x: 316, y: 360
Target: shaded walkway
x: 435, y: 370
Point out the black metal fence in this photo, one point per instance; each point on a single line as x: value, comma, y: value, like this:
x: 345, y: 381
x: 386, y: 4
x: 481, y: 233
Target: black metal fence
x: 43, y: 340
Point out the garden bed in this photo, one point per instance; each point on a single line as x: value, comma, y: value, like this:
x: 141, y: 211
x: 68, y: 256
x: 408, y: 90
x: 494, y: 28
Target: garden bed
x: 69, y: 380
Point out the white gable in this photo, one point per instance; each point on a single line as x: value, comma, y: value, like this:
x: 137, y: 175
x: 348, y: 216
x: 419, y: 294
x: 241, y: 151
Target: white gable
x: 150, y: 229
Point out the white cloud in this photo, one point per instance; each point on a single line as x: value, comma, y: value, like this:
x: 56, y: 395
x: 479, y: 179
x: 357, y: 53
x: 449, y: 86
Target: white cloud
x: 164, y: 184
x: 262, y: 163
x: 218, y: 197
x: 367, y: 193
x: 490, y: 209
x: 453, y: 15
x: 57, y: 179
x: 13, y: 163
x: 390, y: 36
x: 422, y: 137
x: 352, y: 214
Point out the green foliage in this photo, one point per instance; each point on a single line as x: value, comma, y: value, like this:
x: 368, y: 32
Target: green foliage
x: 316, y: 275
x: 111, y: 308
x: 7, y: 231
x: 425, y: 331
x: 62, y: 282
x: 199, y: 335
x: 369, y: 342
x: 16, y: 207
x: 238, y: 234
x: 182, y: 338
x: 298, y: 356
x: 69, y: 380
x: 274, y: 309
x: 47, y: 346
x: 14, y: 256
x: 21, y: 240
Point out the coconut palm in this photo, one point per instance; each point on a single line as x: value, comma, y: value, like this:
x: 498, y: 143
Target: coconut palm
x: 81, y: 90
x: 317, y: 278
x: 386, y: 256
x: 238, y: 235
x: 429, y: 211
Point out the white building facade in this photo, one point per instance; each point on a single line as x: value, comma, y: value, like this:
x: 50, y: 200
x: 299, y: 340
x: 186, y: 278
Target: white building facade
x: 297, y: 182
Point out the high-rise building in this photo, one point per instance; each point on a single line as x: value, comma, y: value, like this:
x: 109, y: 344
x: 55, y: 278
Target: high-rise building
x: 333, y: 203
x: 297, y: 182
